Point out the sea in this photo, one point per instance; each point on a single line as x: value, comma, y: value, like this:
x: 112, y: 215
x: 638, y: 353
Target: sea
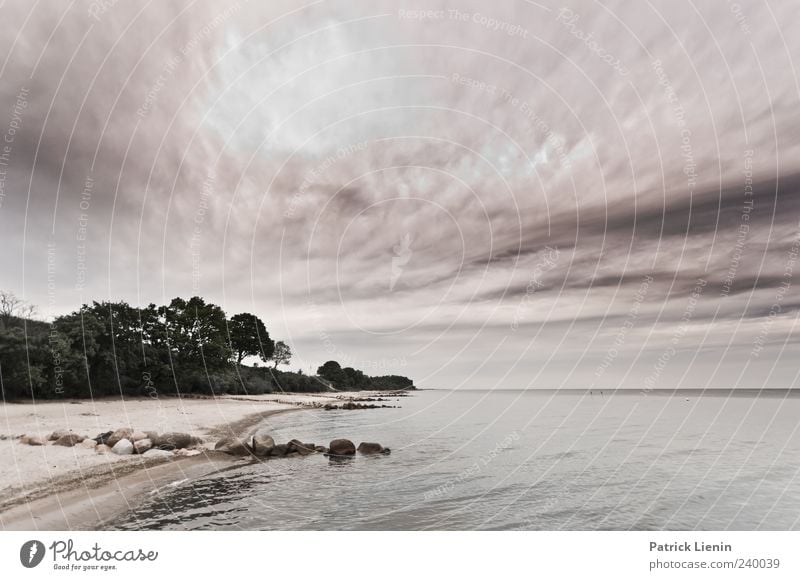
x: 514, y: 460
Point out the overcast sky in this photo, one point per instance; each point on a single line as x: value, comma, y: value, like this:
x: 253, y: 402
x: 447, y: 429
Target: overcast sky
x: 507, y: 195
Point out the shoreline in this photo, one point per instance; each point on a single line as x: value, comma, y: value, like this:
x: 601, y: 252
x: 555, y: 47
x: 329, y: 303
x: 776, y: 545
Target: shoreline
x: 72, y: 488
x: 88, y: 506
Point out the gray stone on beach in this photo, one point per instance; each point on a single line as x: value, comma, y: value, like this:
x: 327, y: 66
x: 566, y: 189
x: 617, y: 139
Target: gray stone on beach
x: 69, y: 440
x: 157, y: 453
x: 342, y: 447
x: 175, y: 441
x: 234, y: 446
x: 138, y: 436
x: 57, y: 434
x: 32, y: 440
x: 89, y: 443
x: 119, y: 434
x: 187, y: 452
x: 102, y: 448
x: 123, y: 447
x: 102, y: 438
x: 142, y: 445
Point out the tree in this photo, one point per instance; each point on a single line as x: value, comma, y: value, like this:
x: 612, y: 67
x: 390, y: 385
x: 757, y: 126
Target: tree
x: 10, y: 306
x: 106, y: 348
x: 249, y: 337
x: 356, y: 380
x: 392, y: 383
x: 196, y: 333
x: 23, y: 363
x: 282, y: 354
x: 332, y: 371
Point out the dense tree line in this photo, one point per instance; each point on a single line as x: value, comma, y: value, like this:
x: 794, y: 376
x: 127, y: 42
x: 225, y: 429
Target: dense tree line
x: 187, y: 346
x: 350, y: 379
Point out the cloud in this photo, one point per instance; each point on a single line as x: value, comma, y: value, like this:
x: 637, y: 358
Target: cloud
x: 272, y: 157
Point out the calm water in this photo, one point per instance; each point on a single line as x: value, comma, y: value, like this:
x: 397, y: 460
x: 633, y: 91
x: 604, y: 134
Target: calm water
x: 516, y: 460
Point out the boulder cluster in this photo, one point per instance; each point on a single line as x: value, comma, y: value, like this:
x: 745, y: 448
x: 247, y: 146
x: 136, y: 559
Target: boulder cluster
x: 352, y: 405
x: 259, y: 444
x: 124, y: 441
x: 262, y: 445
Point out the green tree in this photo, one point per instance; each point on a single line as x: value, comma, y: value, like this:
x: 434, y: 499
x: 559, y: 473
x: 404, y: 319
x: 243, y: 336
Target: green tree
x: 249, y: 337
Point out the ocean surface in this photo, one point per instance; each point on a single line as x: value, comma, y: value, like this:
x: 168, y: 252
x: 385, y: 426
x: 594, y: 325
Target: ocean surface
x: 512, y: 460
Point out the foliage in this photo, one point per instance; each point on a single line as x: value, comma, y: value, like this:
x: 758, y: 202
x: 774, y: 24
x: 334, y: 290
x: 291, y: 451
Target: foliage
x: 282, y: 354
x: 249, y: 337
x: 187, y: 346
x: 350, y: 379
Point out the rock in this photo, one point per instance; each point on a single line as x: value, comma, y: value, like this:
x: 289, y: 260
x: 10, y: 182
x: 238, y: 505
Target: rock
x: 123, y: 447
x: 307, y: 448
x: 234, y: 446
x: 102, y: 439
x: 370, y: 448
x: 70, y: 440
x: 342, y: 447
x: 102, y: 448
x: 187, y: 452
x: 142, y: 446
x: 158, y: 453
x: 175, y: 441
x: 300, y: 447
x: 138, y: 436
x: 116, y: 436
x: 320, y: 449
x: 57, y: 434
x: 89, y: 443
x: 279, y: 450
x: 262, y: 443
x: 32, y: 440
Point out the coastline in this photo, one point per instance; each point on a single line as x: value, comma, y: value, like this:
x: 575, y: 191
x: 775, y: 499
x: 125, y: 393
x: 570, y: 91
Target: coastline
x: 73, y: 488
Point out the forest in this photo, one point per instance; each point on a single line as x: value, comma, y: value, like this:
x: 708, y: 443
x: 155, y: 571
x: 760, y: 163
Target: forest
x: 184, y: 347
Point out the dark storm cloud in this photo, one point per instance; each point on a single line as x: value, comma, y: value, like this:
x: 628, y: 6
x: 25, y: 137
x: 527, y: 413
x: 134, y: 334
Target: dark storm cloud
x: 715, y: 216
x: 358, y: 170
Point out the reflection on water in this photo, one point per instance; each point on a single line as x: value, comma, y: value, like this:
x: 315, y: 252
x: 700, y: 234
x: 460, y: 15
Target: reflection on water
x: 515, y: 460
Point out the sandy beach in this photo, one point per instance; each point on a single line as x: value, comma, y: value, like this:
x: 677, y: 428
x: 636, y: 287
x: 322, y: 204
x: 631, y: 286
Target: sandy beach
x: 52, y: 487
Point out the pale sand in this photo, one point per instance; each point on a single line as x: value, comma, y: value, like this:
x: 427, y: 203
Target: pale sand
x: 37, y: 483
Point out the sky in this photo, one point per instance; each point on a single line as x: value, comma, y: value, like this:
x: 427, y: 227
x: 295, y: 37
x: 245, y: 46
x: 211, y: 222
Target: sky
x: 499, y: 195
